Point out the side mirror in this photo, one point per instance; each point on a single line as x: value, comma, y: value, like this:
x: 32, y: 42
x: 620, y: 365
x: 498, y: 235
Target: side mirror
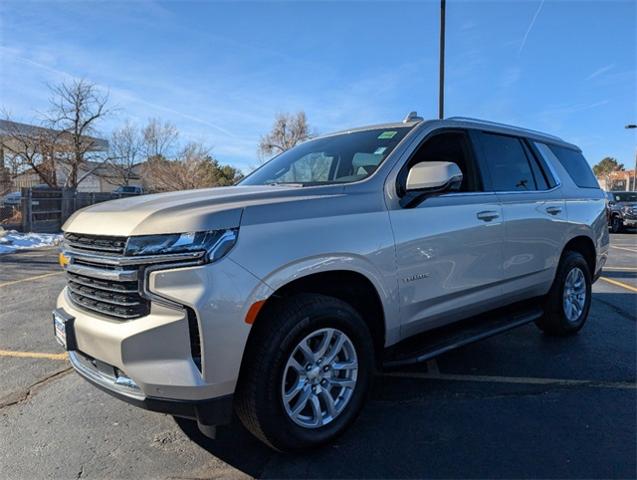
x: 428, y: 178
x: 434, y: 177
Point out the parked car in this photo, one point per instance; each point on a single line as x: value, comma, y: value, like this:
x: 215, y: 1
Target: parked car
x: 622, y: 210
x: 371, y: 248
x: 12, y: 199
x: 129, y: 190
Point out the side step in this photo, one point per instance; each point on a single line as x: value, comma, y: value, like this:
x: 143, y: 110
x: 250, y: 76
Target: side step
x: 428, y: 345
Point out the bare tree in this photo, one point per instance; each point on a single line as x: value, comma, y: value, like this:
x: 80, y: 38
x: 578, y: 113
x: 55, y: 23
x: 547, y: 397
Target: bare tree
x: 287, y: 131
x: 76, y: 109
x: 126, y: 149
x: 192, y: 168
x: 159, y: 138
x: 28, y: 147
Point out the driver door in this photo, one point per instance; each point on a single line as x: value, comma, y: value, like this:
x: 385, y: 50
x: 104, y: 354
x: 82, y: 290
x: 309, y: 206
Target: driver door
x: 449, y: 246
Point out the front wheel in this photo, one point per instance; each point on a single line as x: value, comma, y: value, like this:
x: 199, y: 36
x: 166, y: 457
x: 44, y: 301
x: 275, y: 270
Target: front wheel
x: 567, y: 304
x: 616, y: 225
x: 306, y: 373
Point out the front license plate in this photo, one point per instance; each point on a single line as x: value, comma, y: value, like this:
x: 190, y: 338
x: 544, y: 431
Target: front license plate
x: 63, y: 328
x: 59, y: 326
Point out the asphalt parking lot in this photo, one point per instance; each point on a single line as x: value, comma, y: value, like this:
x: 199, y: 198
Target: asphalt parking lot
x: 515, y: 406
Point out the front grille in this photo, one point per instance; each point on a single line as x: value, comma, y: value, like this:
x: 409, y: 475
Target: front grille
x: 111, y: 290
x: 119, y: 299
x: 96, y: 244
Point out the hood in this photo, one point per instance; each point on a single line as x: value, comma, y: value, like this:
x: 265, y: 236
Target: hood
x: 178, y: 212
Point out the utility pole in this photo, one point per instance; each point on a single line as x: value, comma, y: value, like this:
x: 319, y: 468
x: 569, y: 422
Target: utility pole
x: 441, y: 91
x: 630, y: 126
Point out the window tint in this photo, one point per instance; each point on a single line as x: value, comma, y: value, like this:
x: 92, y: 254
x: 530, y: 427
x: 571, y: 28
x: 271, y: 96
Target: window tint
x: 539, y: 175
x: 508, y: 164
x: 624, y: 196
x: 449, y: 147
x: 576, y: 166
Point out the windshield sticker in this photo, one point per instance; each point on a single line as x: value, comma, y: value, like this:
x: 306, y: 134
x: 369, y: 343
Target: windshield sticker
x: 380, y: 150
x: 386, y: 135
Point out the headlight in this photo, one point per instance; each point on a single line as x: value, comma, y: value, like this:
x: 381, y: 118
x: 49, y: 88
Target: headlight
x: 216, y: 243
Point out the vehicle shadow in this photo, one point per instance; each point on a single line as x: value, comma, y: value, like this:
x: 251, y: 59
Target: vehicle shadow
x: 416, y: 427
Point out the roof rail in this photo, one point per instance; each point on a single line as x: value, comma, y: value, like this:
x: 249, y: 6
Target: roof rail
x: 412, y: 117
x: 504, y: 125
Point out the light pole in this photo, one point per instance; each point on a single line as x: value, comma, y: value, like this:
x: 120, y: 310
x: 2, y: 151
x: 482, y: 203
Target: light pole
x: 630, y: 126
x: 441, y: 80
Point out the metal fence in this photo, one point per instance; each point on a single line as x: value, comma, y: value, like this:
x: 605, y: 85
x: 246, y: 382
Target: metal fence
x: 44, y: 210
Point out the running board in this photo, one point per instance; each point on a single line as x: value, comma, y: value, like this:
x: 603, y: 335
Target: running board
x: 428, y: 345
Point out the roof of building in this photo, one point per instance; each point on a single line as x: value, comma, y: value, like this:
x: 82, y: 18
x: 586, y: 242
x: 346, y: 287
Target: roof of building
x: 7, y: 127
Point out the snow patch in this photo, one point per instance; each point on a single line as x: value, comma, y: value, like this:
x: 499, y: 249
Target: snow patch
x: 11, y: 241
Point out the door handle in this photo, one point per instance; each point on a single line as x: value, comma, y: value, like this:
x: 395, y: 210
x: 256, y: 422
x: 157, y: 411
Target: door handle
x: 487, y: 215
x: 553, y: 210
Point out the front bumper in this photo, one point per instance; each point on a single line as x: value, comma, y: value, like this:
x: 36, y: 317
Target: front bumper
x: 216, y: 411
x: 154, y: 351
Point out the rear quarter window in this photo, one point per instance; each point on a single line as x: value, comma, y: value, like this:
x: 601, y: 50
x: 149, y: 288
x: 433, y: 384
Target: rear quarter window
x: 576, y: 166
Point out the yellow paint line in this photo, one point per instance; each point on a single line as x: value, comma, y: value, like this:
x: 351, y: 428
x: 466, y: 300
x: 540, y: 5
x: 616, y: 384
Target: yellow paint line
x: 621, y: 269
x: 619, y: 284
x: 37, y: 277
x: 519, y: 380
x: 48, y: 356
x: 624, y: 248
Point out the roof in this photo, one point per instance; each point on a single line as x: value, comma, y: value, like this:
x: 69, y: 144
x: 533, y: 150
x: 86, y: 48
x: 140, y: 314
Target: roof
x: 466, y: 122
x: 8, y: 127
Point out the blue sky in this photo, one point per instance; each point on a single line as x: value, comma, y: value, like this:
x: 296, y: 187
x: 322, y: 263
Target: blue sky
x: 221, y: 70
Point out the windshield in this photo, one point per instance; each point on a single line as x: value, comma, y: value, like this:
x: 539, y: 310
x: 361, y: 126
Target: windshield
x: 342, y: 158
x: 625, y: 196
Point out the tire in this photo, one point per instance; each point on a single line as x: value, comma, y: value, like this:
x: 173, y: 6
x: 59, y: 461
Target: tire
x: 616, y: 225
x: 273, y: 358
x: 559, y: 319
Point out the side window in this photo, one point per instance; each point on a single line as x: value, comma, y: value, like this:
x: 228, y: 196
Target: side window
x: 576, y: 165
x: 450, y: 146
x: 508, y: 164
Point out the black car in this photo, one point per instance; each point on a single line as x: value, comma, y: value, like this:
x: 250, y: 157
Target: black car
x: 622, y: 210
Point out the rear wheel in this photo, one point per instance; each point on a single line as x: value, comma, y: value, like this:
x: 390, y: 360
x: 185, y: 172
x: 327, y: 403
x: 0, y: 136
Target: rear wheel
x: 568, y: 302
x: 306, y: 374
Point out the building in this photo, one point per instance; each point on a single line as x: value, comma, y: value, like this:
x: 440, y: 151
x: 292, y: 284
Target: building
x: 45, y: 143
x: 97, y: 178
x: 618, y: 181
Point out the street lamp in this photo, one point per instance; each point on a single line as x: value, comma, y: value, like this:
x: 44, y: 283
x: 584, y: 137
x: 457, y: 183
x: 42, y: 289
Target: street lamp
x: 629, y: 126
x: 441, y: 78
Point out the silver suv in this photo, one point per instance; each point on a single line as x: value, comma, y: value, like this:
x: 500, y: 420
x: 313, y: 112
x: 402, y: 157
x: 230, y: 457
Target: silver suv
x: 372, y: 248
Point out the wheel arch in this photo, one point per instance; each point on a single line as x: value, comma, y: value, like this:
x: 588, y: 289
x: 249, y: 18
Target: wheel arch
x: 585, y: 246
x: 350, y: 286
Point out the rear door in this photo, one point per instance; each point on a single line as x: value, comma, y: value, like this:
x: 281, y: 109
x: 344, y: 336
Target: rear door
x: 534, y: 214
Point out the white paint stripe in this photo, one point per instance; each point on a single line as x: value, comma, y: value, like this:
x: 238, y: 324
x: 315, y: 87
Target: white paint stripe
x: 517, y: 380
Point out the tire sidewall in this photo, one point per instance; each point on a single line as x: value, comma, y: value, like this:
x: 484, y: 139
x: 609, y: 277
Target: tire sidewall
x: 271, y: 409
x: 571, y: 261
x: 615, y: 224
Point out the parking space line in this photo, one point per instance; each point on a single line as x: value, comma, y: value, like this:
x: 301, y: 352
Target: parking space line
x: 619, y: 284
x: 517, y: 380
x: 47, y: 356
x: 620, y: 269
x: 14, y: 282
x: 624, y: 248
